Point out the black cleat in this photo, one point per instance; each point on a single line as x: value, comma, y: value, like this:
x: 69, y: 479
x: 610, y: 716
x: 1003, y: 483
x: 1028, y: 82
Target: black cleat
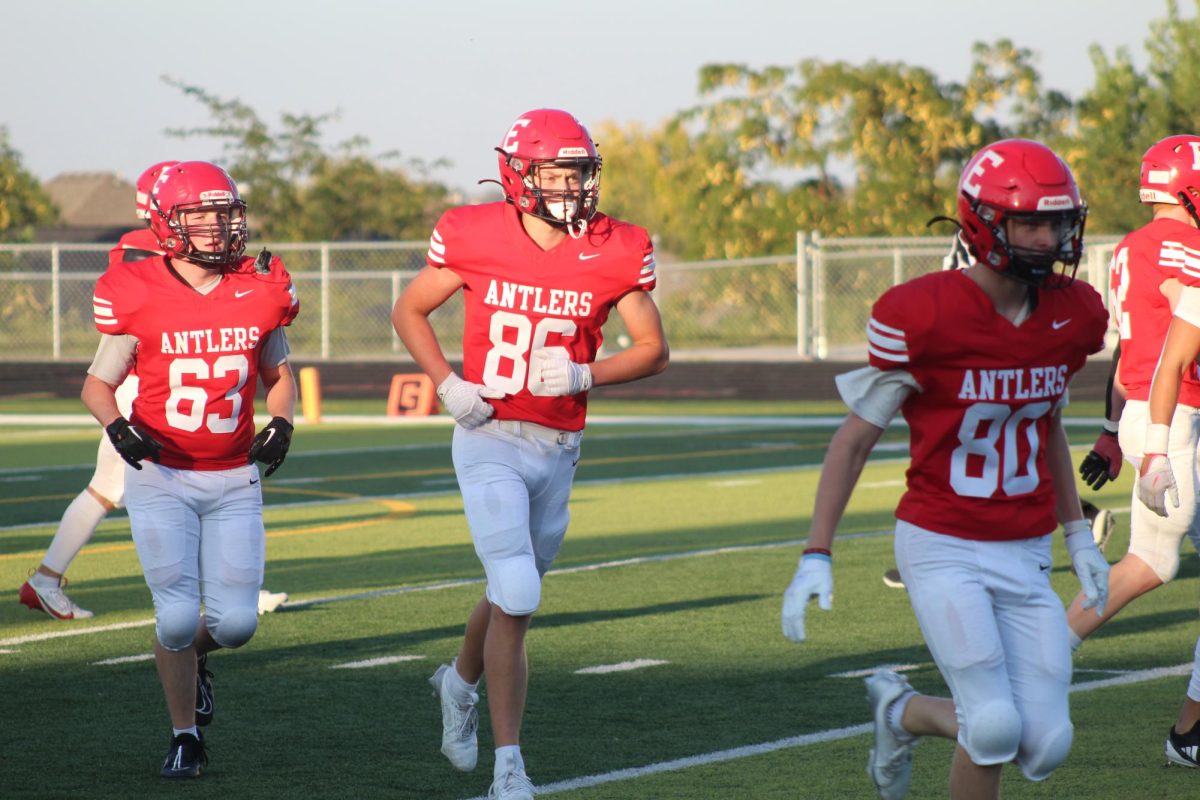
x: 204, y: 691
x: 1182, y: 748
x: 186, y: 757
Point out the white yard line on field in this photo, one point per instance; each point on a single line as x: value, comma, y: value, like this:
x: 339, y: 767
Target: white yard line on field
x: 624, y: 666
x: 376, y: 662
x: 108, y: 662
x: 862, y: 673
x: 819, y: 737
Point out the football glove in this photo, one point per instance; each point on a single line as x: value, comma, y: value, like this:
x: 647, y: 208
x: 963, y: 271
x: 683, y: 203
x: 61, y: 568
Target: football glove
x: 1090, y: 566
x: 814, y: 578
x: 1103, y: 463
x: 132, y: 443
x: 1156, y: 482
x: 465, y: 400
x: 556, y: 375
x: 271, y: 444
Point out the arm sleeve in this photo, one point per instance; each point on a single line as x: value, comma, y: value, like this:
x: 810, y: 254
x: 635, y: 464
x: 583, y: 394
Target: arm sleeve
x: 114, y: 358
x: 874, y: 394
x: 1188, y: 308
x: 275, y: 349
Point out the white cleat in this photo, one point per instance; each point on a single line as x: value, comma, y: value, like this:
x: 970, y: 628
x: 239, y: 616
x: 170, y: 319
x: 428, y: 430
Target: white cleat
x: 1102, y: 528
x: 269, y: 601
x: 512, y: 785
x: 459, y: 724
x: 43, y: 593
x: 890, y: 763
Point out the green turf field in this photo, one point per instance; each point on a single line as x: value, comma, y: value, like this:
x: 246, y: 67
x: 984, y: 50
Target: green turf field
x: 683, y: 537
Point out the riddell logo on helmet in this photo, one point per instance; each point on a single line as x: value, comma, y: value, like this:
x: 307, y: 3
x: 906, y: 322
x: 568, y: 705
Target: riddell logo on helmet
x: 573, y: 152
x: 1054, y: 203
x: 216, y: 196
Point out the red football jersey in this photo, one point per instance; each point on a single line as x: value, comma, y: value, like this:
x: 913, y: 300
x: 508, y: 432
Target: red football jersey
x: 519, y: 298
x: 197, y: 355
x: 139, y: 242
x: 978, y: 427
x: 1142, y: 262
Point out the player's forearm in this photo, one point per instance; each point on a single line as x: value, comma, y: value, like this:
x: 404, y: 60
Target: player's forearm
x: 281, y: 393
x: 100, y: 399
x: 419, y: 339
x: 847, y: 454
x: 640, y: 360
x: 1062, y: 474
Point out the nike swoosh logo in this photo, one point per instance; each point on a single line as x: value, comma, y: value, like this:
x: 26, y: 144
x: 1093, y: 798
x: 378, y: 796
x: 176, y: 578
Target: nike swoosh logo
x: 1057, y: 325
x: 242, y: 294
x: 576, y: 461
x: 583, y: 257
x: 254, y: 481
x: 1044, y: 567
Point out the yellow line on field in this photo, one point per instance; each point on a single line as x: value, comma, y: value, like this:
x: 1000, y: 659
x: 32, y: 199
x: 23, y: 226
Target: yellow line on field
x: 395, y: 509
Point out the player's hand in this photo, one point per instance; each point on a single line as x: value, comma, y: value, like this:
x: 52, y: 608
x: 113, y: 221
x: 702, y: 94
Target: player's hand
x: 271, y: 444
x: 556, y: 375
x: 1156, y: 482
x: 1090, y: 566
x: 814, y: 578
x: 465, y: 400
x: 132, y: 443
x: 1103, y: 463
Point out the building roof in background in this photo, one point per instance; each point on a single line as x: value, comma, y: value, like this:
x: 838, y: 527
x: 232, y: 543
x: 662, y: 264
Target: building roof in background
x: 93, y: 200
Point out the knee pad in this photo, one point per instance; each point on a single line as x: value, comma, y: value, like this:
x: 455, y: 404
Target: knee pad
x: 992, y: 733
x: 1039, y: 759
x: 234, y: 627
x: 515, y: 586
x: 175, y: 625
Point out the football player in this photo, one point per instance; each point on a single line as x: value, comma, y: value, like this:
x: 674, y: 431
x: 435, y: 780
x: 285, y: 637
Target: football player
x: 1168, y: 414
x: 197, y: 323
x: 540, y: 272
x: 978, y: 361
x: 43, y: 591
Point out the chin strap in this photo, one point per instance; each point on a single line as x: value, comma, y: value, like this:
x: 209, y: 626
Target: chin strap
x: 582, y: 223
x: 1186, y: 202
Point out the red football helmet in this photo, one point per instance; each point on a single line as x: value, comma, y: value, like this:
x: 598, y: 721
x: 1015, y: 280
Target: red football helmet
x: 145, y: 183
x: 182, y: 205
x: 1022, y: 181
x: 1171, y: 173
x: 543, y: 137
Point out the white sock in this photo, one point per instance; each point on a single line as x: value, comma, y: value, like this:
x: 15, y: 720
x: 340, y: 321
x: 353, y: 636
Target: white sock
x: 895, y: 713
x: 1193, y: 691
x: 194, y: 731
x: 78, y: 524
x: 508, y: 758
x: 1074, y: 639
x: 460, y: 690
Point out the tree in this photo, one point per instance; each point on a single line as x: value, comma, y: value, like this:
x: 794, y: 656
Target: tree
x: 299, y: 190
x: 23, y: 203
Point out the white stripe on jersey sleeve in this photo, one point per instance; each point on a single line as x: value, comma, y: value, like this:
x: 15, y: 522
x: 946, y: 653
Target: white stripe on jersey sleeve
x: 886, y: 342
x: 102, y: 311
x: 437, y: 249
x: 648, y: 266
x: 1175, y: 255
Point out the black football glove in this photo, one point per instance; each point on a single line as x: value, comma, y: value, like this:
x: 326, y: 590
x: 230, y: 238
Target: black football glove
x: 1103, y: 463
x: 132, y: 443
x: 271, y: 444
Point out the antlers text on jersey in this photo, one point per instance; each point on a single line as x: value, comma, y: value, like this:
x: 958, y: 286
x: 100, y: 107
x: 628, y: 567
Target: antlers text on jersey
x: 210, y: 340
x: 1028, y: 383
x: 520, y: 297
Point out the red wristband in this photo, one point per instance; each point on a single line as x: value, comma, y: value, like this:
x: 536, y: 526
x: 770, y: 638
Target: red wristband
x: 819, y: 551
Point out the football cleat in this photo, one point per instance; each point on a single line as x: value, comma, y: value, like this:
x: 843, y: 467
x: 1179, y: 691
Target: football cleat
x: 890, y: 762
x: 204, y: 692
x: 44, y: 593
x: 892, y: 579
x: 1183, y: 748
x: 269, y: 601
x: 512, y: 785
x: 1102, y: 527
x: 185, y: 758
x: 460, y: 721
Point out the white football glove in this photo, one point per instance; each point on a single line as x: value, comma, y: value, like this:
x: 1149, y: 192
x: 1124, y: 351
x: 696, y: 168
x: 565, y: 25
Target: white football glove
x: 814, y: 578
x: 1156, y: 482
x: 555, y: 375
x: 464, y: 400
x: 1090, y: 566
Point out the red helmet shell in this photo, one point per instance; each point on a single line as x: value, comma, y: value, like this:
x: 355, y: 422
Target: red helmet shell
x: 145, y: 183
x: 548, y: 136
x: 1170, y: 168
x: 194, y: 186
x: 1020, y: 178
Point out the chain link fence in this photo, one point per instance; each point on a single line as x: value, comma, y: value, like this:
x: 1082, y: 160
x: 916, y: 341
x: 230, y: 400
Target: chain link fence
x: 810, y: 304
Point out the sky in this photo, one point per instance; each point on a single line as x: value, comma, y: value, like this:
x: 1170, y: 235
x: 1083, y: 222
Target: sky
x: 444, y: 79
